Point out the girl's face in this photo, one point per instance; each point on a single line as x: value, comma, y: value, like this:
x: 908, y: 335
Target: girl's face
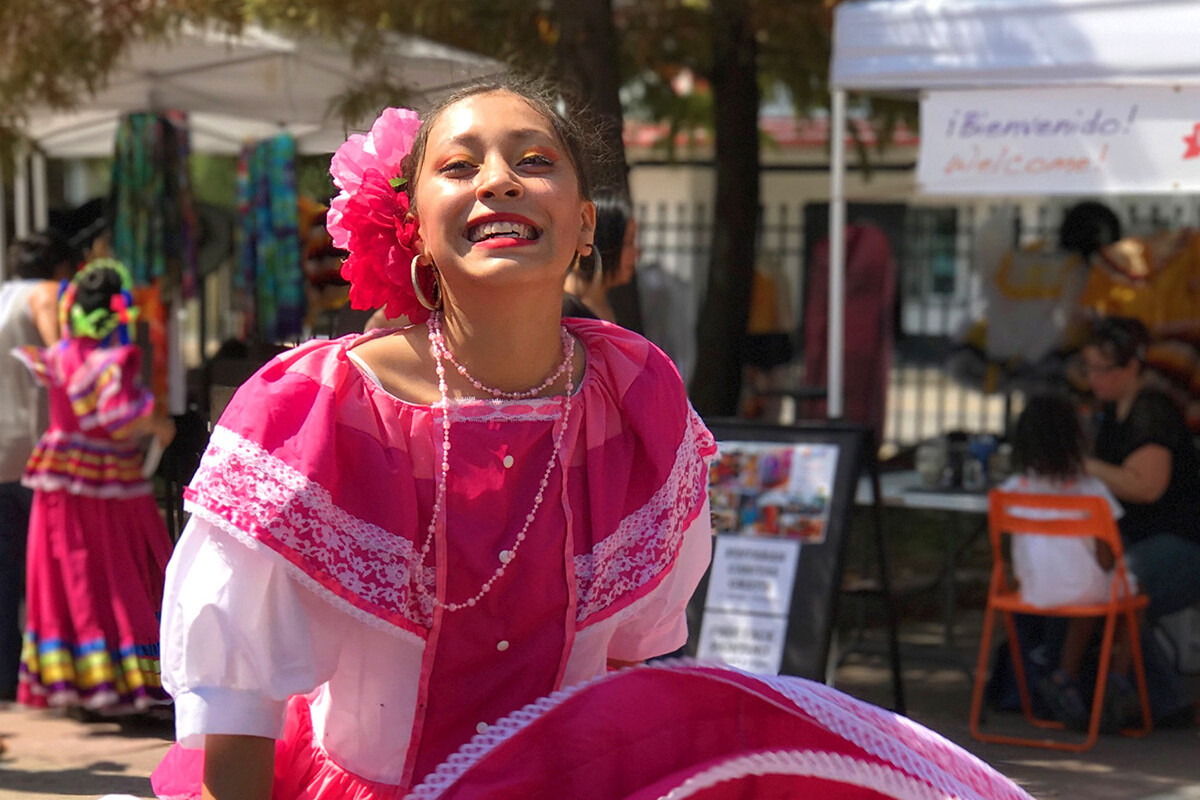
x: 1109, y: 382
x: 497, y: 198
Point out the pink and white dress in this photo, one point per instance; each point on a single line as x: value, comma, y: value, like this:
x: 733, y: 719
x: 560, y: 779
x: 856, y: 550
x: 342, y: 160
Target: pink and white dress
x: 291, y: 610
x: 98, y: 546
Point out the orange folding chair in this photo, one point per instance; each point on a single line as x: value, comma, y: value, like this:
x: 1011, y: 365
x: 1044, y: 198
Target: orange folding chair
x: 1081, y: 516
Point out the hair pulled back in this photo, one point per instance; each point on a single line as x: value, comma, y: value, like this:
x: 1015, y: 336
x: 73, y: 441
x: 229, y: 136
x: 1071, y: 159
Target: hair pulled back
x: 582, y: 145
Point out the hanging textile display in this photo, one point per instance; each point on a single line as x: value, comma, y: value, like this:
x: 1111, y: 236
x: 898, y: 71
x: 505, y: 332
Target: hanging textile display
x: 154, y: 222
x: 271, y: 276
x: 154, y: 227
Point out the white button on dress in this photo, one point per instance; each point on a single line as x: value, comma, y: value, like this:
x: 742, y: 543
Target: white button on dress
x: 508, y: 461
x: 482, y: 727
x: 502, y: 645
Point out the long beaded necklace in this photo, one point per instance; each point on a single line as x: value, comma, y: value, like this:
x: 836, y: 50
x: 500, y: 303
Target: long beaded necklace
x: 441, y: 354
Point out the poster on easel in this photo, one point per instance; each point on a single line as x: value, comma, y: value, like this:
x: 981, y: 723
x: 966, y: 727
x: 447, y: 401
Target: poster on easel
x: 773, y: 489
x: 780, y: 499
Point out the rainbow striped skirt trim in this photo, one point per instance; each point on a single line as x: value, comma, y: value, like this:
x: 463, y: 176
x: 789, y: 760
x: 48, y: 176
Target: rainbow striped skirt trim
x: 93, y: 675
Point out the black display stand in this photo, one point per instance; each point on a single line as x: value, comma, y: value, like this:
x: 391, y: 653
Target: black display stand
x: 812, y: 612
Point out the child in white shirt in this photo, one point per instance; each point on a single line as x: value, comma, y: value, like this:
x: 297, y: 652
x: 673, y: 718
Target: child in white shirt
x: 1048, y: 446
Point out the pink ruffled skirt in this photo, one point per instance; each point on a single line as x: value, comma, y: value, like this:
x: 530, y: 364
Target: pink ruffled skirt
x: 662, y: 732
x: 303, y: 770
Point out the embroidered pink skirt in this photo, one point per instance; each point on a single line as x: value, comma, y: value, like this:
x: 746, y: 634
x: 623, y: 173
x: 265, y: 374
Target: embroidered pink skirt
x: 94, y: 589
x: 712, y: 732
x: 658, y: 733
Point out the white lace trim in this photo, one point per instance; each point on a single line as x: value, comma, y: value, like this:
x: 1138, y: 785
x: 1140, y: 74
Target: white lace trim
x: 303, y: 578
x: 814, y: 764
x: 475, y: 409
x: 53, y: 482
x: 481, y: 744
x: 646, y: 541
x: 933, y: 759
x: 239, y: 481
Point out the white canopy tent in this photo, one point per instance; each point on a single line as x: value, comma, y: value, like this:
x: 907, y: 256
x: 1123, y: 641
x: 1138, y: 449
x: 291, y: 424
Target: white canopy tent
x: 907, y: 47
x: 243, y: 86
x: 234, y: 88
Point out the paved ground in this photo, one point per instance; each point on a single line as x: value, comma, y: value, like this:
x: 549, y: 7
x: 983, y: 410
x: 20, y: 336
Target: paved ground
x: 51, y: 757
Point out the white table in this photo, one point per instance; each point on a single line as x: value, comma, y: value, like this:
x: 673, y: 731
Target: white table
x: 905, y: 490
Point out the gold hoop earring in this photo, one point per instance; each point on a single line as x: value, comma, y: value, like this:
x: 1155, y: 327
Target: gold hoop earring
x: 416, y: 282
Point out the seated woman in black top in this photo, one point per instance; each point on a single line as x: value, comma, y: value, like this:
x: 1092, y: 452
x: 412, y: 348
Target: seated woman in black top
x: 1146, y: 456
x: 1144, y: 453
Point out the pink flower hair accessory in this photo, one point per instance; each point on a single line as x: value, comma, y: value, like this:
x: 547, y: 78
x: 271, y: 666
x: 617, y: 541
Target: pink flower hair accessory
x: 369, y: 217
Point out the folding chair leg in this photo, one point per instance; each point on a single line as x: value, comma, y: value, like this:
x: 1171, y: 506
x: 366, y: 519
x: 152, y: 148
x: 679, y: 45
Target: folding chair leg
x: 981, y: 671
x: 1139, y: 674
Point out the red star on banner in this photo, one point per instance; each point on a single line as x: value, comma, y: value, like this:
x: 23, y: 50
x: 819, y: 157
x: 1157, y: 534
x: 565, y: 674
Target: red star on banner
x: 1193, y: 143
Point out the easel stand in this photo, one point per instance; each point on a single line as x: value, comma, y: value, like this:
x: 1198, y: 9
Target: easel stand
x: 878, y: 587
x: 781, y: 497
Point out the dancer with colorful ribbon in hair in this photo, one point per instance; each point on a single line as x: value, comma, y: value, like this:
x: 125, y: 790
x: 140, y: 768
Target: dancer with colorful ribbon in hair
x: 400, y: 539
x: 98, y: 547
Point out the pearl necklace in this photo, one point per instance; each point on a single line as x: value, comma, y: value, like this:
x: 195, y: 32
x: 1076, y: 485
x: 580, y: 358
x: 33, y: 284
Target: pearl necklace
x: 438, y: 341
x: 441, y: 354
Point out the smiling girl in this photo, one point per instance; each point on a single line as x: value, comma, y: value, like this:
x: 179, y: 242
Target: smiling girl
x: 417, y: 531
x: 410, y: 550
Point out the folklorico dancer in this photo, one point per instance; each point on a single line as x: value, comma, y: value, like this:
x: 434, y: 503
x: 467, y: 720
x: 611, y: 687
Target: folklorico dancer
x: 399, y: 540
x: 98, y: 547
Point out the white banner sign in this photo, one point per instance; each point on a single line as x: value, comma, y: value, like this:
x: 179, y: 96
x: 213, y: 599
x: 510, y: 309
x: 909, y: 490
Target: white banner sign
x: 1061, y: 141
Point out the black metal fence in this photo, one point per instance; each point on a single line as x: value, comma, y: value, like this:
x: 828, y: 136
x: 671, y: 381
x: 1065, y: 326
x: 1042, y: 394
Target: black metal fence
x: 938, y: 290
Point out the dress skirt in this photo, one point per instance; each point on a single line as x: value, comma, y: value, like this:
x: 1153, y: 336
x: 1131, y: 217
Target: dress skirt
x: 657, y: 733
x: 95, y: 582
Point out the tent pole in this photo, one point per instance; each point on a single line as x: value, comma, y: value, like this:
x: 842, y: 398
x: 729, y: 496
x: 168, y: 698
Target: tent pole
x: 20, y: 193
x: 41, y: 210
x: 837, y: 253
x: 3, y: 228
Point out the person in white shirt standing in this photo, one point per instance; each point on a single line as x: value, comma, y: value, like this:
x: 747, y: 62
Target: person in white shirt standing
x: 28, y: 316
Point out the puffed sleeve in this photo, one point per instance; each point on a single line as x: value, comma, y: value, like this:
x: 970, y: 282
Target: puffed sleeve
x: 659, y: 622
x: 108, y: 395
x: 240, y: 636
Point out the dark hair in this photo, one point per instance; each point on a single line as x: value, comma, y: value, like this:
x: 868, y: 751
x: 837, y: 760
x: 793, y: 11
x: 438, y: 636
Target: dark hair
x: 42, y: 255
x: 613, y: 212
x: 1048, y: 438
x: 1087, y: 227
x: 583, y: 147
x: 1121, y: 339
x: 96, y: 288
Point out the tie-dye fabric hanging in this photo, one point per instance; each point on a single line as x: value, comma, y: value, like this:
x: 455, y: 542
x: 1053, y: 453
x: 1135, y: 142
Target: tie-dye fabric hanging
x: 271, y: 275
x: 154, y: 222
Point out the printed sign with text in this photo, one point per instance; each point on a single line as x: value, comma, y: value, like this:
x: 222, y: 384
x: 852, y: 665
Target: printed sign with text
x: 1134, y: 139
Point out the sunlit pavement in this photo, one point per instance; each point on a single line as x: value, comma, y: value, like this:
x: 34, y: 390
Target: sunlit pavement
x: 50, y: 756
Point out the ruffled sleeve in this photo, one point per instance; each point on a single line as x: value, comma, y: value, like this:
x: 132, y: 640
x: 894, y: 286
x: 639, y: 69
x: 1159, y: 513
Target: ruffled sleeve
x: 34, y: 359
x: 295, y: 464
x: 659, y: 625
x: 239, y: 637
x: 643, y: 490
x: 107, y: 393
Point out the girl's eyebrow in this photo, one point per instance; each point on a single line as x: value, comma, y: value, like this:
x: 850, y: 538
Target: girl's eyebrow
x: 516, y: 135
